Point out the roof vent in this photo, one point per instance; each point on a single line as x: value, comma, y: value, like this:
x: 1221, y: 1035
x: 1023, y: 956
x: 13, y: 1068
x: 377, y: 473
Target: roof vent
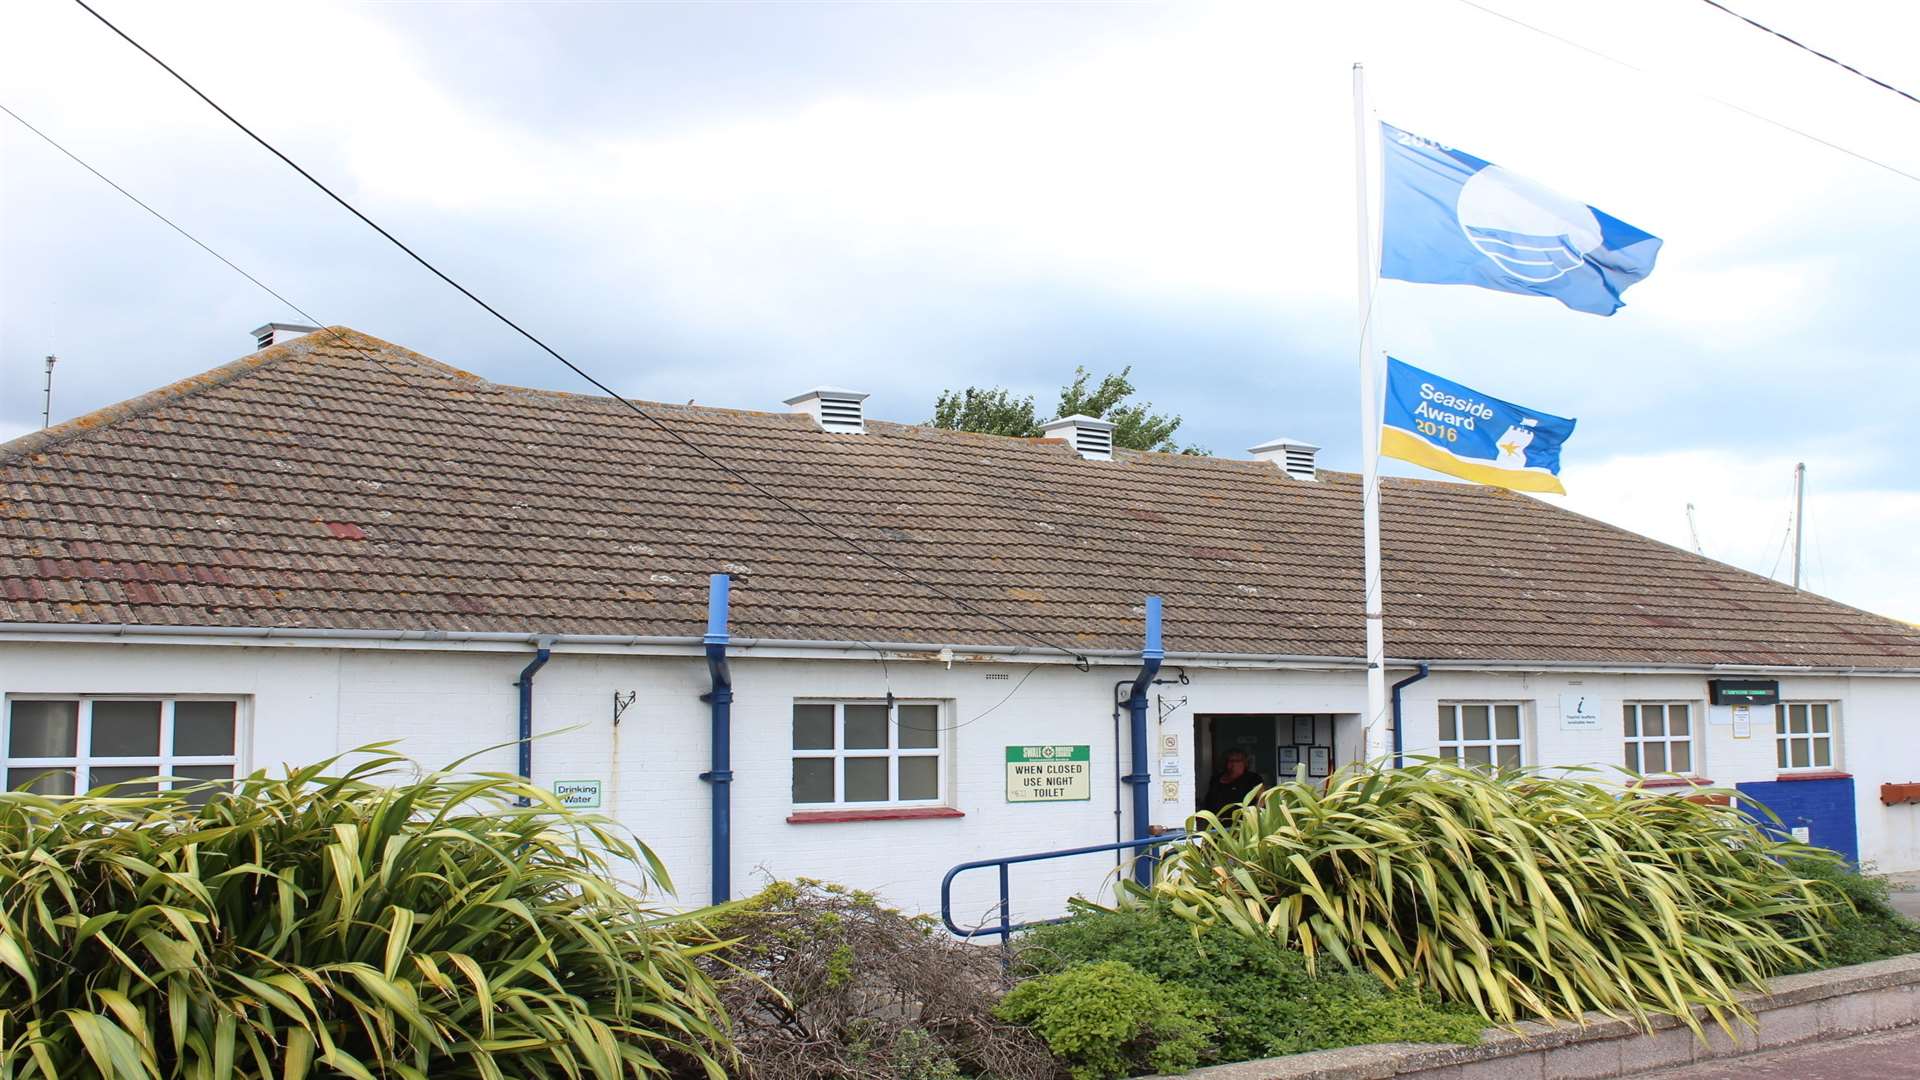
x: 1294, y: 457
x: 276, y: 332
x: 834, y: 408
x: 1090, y: 437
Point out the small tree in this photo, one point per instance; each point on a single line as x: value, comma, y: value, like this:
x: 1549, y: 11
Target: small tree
x: 997, y: 411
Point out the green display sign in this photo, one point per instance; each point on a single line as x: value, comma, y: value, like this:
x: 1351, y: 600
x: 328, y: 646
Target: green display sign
x: 1049, y: 772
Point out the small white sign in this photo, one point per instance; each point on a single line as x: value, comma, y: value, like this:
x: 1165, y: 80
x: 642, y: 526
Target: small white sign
x: 1803, y: 833
x: 1169, y: 791
x: 578, y: 794
x: 1579, y: 712
x: 1169, y: 743
x: 1743, y: 721
x: 1169, y: 766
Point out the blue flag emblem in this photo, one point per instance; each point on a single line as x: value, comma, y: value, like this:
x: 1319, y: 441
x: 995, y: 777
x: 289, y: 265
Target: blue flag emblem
x: 1462, y: 432
x: 1450, y: 218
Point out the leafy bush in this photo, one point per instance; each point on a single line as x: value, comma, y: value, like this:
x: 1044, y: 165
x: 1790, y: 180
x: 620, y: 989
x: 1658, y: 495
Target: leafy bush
x: 334, y: 923
x: 1867, y: 927
x: 1517, y: 893
x: 826, y: 983
x: 1263, y: 1000
x: 1106, y: 1020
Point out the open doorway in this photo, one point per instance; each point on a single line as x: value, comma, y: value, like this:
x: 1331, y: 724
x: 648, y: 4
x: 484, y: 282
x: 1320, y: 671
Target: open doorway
x: 1277, y: 746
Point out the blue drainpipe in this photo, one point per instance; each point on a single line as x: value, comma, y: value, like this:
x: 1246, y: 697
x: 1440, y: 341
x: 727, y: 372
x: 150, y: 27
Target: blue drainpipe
x: 1150, y: 656
x: 720, y: 701
x: 1399, y: 741
x: 542, y: 654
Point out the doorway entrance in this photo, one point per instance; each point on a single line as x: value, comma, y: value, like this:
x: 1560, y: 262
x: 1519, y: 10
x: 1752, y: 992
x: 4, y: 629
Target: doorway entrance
x: 1278, y: 744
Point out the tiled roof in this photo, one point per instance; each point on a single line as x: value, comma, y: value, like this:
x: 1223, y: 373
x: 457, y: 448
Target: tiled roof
x: 319, y: 485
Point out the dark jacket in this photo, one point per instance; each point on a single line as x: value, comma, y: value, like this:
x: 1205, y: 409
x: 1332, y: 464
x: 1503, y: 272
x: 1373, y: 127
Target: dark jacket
x: 1224, y: 793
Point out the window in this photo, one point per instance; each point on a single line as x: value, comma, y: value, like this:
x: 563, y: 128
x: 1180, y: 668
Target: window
x: 1659, y: 736
x: 57, y: 746
x: 867, y: 753
x: 1804, y: 734
x: 1481, y: 733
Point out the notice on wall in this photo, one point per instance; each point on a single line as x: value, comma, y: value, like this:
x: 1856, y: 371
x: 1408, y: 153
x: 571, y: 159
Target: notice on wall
x: 1169, y: 791
x: 1170, y: 766
x: 1743, y: 722
x: 1049, y: 773
x: 1579, y: 712
x: 578, y: 794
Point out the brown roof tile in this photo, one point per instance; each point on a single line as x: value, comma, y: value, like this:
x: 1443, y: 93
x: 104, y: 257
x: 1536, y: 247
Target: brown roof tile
x: 340, y: 481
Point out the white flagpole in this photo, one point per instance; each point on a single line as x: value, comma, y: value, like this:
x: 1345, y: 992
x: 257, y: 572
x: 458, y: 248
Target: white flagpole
x: 1373, y: 726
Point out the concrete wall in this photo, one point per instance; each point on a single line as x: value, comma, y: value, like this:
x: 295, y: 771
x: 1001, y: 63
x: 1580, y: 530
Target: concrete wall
x: 308, y: 702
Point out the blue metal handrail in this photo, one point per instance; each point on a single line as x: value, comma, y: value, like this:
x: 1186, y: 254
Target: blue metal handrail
x: 1006, y: 928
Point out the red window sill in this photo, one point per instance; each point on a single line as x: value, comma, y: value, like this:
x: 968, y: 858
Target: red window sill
x: 1830, y: 774
x: 1677, y: 782
x: 905, y: 813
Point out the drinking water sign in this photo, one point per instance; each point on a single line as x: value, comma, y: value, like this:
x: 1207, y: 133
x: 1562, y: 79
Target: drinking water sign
x: 1050, y: 773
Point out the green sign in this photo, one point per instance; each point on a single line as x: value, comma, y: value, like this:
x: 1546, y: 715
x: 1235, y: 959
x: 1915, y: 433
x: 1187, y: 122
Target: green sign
x: 1049, y: 773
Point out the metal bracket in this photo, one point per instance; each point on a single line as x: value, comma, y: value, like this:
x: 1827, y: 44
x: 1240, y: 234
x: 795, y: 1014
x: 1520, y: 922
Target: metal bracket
x: 1167, y: 710
x: 620, y: 704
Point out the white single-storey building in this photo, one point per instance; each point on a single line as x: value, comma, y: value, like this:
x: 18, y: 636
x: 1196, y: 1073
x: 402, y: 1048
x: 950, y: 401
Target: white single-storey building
x: 925, y: 647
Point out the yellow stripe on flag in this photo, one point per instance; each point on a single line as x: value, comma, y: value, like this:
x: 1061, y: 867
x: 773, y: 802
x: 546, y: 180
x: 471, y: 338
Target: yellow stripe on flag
x: 1407, y: 446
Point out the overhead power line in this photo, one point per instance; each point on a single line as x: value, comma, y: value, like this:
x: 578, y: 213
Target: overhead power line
x: 1808, y: 48
x: 799, y: 513
x: 1722, y: 102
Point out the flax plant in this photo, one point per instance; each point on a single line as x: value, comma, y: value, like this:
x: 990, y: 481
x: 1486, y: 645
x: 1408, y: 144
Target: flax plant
x: 1525, y: 895
x: 345, y: 920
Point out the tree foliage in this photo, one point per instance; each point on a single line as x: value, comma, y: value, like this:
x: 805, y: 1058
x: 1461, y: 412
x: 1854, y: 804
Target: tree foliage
x: 997, y: 411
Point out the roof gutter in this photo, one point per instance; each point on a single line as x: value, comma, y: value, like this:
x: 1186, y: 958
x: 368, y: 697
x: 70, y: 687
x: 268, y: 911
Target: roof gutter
x: 695, y: 645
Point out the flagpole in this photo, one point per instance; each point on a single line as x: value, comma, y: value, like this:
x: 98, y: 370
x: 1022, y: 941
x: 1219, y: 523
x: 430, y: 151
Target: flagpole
x: 1373, y: 726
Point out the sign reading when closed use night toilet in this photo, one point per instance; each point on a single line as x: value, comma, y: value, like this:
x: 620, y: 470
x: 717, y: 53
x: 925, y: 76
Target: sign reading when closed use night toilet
x: 1050, y: 773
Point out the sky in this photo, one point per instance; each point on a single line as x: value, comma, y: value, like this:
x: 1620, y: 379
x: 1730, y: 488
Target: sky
x: 734, y: 202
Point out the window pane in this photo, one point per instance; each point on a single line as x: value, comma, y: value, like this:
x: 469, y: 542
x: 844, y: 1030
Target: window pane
x: 1783, y: 753
x: 1477, y: 755
x: 203, y: 728
x: 126, y: 729
x: 1678, y: 720
x: 187, y: 776
x: 44, y: 729
x: 1633, y: 757
x: 919, y: 727
x: 1819, y: 714
x: 120, y: 774
x: 1653, y: 720
x: 1823, y: 752
x: 1629, y: 718
x: 813, y: 728
x: 812, y: 780
x: 1449, y: 724
x: 866, y: 779
x: 919, y: 778
x: 1506, y: 722
x: 1473, y: 718
x: 1509, y: 757
x: 1799, y: 753
x: 866, y: 727
x: 1655, y: 754
x: 1797, y: 719
x: 53, y: 782
x: 1681, y: 757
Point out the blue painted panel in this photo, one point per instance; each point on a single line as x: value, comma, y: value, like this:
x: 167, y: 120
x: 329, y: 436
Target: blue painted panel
x: 1825, y: 808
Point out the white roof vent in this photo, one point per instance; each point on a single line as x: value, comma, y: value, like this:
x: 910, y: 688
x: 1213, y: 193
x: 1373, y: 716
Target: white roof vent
x: 276, y: 332
x: 1294, y: 457
x: 834, y: 408
x: 1089, y: 436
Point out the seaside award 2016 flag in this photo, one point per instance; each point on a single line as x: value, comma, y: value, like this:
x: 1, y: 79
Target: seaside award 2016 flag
x: 1450, y: 218
x: 1452, y: 429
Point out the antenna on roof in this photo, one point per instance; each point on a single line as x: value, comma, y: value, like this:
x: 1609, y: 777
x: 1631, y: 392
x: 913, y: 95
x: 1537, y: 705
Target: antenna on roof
x: 1694, y: 529
x: 46, y: 409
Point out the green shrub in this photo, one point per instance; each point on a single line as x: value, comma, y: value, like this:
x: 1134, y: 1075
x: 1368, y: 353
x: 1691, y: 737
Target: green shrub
x: 1519, y: 894
x: 1106, y: 1020
x: 1260, y: 994
x: 1867, y: 928
x: 361, y: 925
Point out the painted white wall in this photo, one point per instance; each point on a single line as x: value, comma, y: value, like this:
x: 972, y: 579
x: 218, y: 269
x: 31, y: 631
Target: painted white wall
x: 309, y: 702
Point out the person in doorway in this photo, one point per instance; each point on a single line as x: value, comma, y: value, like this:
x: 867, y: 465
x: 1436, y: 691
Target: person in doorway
x: 1235, y: 782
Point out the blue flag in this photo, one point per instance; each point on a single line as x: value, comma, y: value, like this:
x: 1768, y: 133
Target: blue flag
x: 1462, y: 432
x: 1452, y: 219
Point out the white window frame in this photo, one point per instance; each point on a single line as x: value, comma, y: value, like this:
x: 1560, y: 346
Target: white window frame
x: 80, y: 762
x: 1640, y: 739
x: 1454, y: 750
x: 1784, y: 738
x: 893, y: 753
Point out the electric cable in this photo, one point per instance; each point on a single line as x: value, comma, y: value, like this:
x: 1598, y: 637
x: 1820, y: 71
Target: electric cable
x: 1080, y: 660
x: 1722, y: 102
x: 1808, y: 48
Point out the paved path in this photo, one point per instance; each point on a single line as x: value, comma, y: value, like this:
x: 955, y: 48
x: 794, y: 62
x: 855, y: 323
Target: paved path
x: 1885, y: 1055
x: 1907, y: 903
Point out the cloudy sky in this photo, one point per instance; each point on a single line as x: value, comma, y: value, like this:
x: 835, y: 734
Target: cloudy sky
x: 731, y: 202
